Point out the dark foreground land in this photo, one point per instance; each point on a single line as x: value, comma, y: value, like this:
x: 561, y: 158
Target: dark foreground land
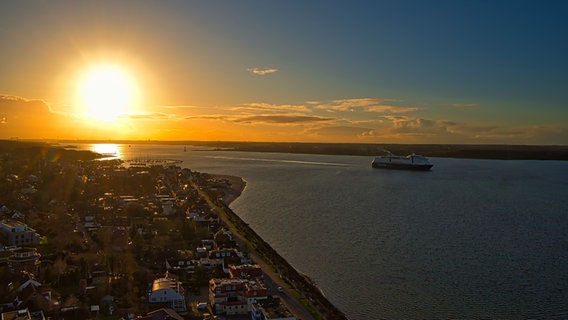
x: 470, y: 151
x: 127, y: 244
x: 59, y: 168
x: 30, y: 151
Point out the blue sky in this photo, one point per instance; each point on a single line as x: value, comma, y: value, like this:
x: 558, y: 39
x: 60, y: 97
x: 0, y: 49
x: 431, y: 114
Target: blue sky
x: 364, y: 71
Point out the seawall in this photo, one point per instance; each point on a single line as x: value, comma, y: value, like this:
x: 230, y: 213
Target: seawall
x: 303, y: 284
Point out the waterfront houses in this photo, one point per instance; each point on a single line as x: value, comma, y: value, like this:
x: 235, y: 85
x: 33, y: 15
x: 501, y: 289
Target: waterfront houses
x: 245, y: 271
x: 270, y: 309
x: 235, y: 296
x: 117, y: 242
x: 224, y: 258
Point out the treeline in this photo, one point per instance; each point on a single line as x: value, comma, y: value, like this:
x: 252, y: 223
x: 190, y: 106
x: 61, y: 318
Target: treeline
x: 470, y: 151
x: 505, y: 152
x: 29, y: 151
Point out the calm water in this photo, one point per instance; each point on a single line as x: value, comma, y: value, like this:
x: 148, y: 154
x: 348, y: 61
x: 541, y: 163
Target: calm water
x: 471, y: 239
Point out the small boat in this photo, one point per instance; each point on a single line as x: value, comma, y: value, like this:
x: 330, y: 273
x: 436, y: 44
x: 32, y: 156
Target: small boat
x: 410, y: 162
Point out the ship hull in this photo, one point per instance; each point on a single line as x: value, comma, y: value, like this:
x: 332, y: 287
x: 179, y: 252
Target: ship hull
x: 402, y: 166
x: 411, y: 162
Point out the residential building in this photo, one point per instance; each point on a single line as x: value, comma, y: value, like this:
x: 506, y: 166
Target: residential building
x: 270, y: 309
x: 24, y: 259
x: 235, y: 296
x: 245, y: 271
x: 35, y: 296
x: 168, y: 291
x: 161, y: 314
x: 23, y: 314
x: 16, y: 233
x: 224, y: 258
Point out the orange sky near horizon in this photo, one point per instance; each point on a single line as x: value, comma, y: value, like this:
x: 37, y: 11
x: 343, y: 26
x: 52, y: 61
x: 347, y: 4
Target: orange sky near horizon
x: 185, y: 70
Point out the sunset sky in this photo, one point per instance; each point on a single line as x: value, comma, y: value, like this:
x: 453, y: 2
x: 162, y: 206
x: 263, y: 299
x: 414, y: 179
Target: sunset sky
x: 487, y: 71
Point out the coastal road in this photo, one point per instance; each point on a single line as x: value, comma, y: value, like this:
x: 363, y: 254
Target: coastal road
x: 272, y: 279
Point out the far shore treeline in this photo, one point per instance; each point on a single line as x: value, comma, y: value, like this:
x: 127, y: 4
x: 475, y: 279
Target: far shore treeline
x: 470, y: 151
x: 31, y: 150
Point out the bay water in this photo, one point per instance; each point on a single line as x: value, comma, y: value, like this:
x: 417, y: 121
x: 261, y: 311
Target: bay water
x: 471, y: 239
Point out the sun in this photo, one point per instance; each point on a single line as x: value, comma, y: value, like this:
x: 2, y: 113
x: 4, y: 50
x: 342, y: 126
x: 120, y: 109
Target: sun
x: 106, y: 92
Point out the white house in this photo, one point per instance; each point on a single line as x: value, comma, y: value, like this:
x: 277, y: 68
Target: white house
x: 168, y: 290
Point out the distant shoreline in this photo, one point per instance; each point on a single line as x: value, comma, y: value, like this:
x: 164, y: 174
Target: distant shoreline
x: 468, y: 151
x: 465, y: 151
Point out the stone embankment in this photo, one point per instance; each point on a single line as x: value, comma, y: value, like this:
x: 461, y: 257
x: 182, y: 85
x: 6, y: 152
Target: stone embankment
x: 303, y: 284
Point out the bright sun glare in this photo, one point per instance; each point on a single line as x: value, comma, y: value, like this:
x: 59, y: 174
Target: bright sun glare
x: 106, y: 92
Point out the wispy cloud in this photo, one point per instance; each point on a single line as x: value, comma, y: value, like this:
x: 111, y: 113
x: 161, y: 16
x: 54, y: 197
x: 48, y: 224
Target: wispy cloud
x: 374, y: 105
x: 345, y: 132
x: 390, y: 109
x: 208, y: 117
x: 419, y: 125
x: 266, y: 107
x: 149, y: 116
x: 277, y: 119
x: 357, y: 102
x: 15, y: 104
x: 282, y: 119
x: 262, y: 71
x: 180, y: 107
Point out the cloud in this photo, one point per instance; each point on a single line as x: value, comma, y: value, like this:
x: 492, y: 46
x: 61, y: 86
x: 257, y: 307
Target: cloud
x: 357, y: 102
x: 404, y: 124
x: 262, y: 71
x: 552, y: 134
x: 149, y: 116
x: 15, y: 105
x: 390, y: 109
x: 373, y: 105
x: 254, y: 119
x: 208, y: 117
x: 445, y: 131
x: 31, y: 118
x: 179, y: 107
x: 266, y: 107
x: 281, y: 119
x: 345, y: 132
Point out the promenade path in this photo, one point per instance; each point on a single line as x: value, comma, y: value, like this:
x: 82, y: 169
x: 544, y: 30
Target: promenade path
x: 272, y: 278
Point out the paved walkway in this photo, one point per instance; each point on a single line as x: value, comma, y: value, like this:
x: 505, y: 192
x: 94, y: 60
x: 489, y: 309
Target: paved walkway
x: 272, y: 279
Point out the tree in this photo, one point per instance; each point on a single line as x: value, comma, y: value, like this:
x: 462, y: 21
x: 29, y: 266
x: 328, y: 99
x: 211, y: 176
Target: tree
x: 60, y: 266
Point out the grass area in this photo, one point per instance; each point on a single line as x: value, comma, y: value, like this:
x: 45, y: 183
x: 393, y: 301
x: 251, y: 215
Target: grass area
x: 298, y: 296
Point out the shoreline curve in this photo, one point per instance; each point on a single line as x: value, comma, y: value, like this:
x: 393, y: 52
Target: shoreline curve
x: 305, y: 286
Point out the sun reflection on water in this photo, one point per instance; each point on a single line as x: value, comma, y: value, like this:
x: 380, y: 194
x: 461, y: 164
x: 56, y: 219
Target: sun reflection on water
x: 108, y: 150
